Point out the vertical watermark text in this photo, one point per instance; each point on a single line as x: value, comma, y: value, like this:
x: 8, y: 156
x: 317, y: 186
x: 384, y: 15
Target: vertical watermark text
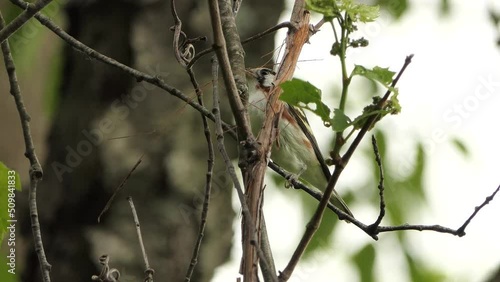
x: 11, y: 229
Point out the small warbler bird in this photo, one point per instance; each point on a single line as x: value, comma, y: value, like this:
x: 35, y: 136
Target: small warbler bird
x: 296, y: 149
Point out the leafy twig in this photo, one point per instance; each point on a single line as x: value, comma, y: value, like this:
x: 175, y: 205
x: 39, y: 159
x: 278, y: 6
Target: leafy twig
x: 315, y: 221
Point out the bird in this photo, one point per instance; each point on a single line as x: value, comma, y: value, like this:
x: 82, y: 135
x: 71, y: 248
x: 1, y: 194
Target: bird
x: 296, y: 149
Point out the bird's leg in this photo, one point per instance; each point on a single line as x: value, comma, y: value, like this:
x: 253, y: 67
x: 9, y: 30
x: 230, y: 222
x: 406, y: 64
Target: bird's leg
x: 294, y: 177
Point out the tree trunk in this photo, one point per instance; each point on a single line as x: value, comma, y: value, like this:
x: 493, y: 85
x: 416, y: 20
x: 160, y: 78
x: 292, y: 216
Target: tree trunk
x: 105, y: 121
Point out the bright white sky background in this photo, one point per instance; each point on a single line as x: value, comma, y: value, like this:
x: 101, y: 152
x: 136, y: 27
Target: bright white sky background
x: 444, y: 94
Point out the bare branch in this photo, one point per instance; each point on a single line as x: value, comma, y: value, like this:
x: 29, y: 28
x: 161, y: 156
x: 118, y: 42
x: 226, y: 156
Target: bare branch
x: 378, y: 160
x: 461, y: 230
x: 149, y: 272
x: 268, y: 270
x: 237, y: 106
x: 232, y: 63
x: 35, y: 170
x: 373, y: 230
x: 247, y: 218
x: 119, y: 188
x: 438, y: 228
x: 210, y: 169
x: 184, y: 50
x: 29, y: 11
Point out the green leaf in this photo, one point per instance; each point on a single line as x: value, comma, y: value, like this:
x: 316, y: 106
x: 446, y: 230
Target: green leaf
x: 359, y: 12
x: 340, y: 121
x: 396, y: 8
x: 327, y: 8
x: 416, y: 179
x: 302, y: 94
x: 378, y: 74
x: 332, y: 8
x: 421, y: 272
x: 460, y: 145
x: 394, y: 107
x: 323, y: 237
x: 365, y: 261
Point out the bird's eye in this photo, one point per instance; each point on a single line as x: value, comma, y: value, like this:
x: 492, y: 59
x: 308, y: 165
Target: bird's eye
x: 266, y: 72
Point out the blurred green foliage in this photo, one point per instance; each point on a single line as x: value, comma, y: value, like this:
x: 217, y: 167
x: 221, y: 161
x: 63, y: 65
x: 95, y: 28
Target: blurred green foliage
x: 364, y: 260
x: 29, y: 45
x: 404, y: 192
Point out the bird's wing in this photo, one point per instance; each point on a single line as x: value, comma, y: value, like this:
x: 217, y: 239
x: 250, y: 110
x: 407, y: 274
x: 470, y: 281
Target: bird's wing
x: 304, y: 125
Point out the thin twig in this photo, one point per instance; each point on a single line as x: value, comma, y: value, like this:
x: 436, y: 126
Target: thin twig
x: 315, y: 193
x: 177, y: 33
x: 369, y: 229
x: 461, y: 230
x: 378, y: 160
x: 268, y: 31
x: 29, y: 11
x: 149, y: 272
x: 315, y: 28
x: 229, y: 165
x: 210, y: 169
x: 184, y: 50
x: 248, y: 40
x: 268, y: 270
x: 119, y: 188
x: 35, y: 170
x: 107, y: 274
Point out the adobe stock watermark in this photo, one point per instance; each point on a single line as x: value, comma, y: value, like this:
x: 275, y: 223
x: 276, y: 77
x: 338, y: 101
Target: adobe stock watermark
x: 455, y: 115
x: 10, y: 235
x: 94, y: 137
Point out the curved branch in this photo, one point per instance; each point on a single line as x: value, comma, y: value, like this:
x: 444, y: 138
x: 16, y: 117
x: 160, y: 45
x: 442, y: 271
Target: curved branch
x: 35, y: 170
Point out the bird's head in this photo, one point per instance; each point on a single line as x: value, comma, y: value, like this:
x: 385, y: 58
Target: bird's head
x: 265, y: 77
